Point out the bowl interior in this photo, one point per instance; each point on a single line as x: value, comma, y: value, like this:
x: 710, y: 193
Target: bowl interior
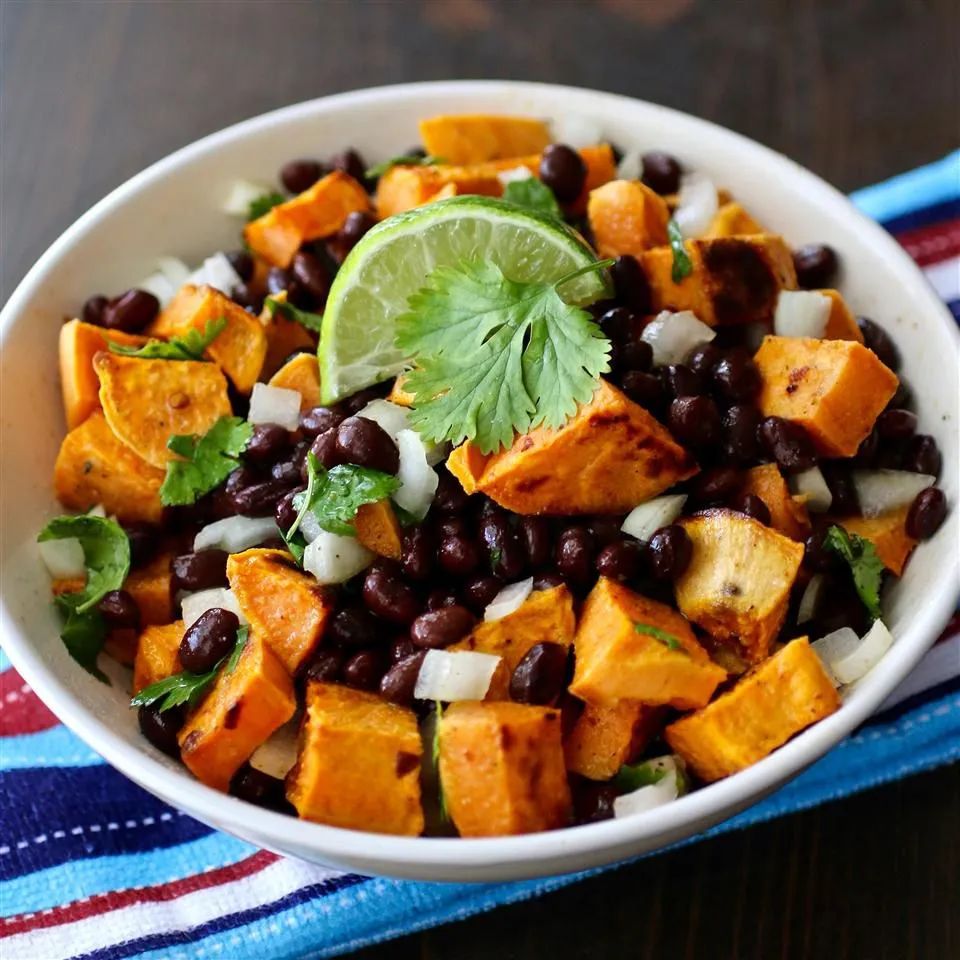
x: 174, y: 208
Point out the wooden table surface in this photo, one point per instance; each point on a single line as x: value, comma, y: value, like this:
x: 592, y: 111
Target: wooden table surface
x: 91, y: 91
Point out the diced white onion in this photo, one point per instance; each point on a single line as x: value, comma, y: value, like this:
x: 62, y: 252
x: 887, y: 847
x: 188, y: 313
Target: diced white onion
x: 673, y: 335
x: 654, y: 795
x: 391, y: 416
x: 240, y: 194
x: 310, y: 527
x: 808, y: 602
x: 801, y: 313
x: 174, y: 269
x: 451, y: 675
x: 274, y: 405
x: 171, y: 274
x: 437, y: 452
x: 881, y: 490
x: 335, y: 559
x: 234, y: 534
x: 513, y: 175
x: 418, y: 480
x: 577, y: 132
x: 63, y: 558
x: 216, y: 271
x: 848, y: 657
x: 811, y: 485
x: 510, y: 598
x: 159, y: 286
x: 193, y: 604
x: 697, y: 205
x: 631, y: 166
x: 275, y: 757
x: 97, y: 510
x: 643, y: 521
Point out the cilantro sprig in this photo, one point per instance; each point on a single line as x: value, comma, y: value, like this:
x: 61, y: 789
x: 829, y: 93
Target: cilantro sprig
x: 208, y: 460
x: 865, y: 565
x: 496, y: 356
x: 533, y: 194
x: 406, y: 160
x: 263, y: 204
x: 667, y: 639
x: 190, y: 346
x: 682, y: 264
x: 435, y: 758
x: 632, y: 777
x: 312, y: 321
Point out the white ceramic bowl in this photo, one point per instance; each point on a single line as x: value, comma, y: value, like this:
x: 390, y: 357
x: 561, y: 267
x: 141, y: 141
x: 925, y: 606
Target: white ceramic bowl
x: 173, y: 208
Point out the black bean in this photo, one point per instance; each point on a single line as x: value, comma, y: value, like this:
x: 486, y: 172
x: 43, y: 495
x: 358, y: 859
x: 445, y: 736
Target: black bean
x: 537, y: 538
x: 815, y: 555
x: 538, y: 677
x: 119, y: 610
x: 357, y: 401
x: 695, y: 422
x: 319, y: 420
x: 869, y: 449
x: 715, y: 485
x: 669, y: 552
x: 386, y: 595
x: 842, y: 491
x: 286, y: 512
x: 299, y: 175
x: 401, y: 648
x: 593, y: 802
x: 788, y: 443
x: 632, y: 352
x: 562, y: 169
x: 547, y: 581
x: 923, y: 456
x: 574, y: 555
x: 450, y: 496
x: 93, y: 308
x: 311, y: 274
x: 367, y: 444
x: 451, y: 526
x: 354, y: 227
x: 208, y: 639
x: 605, y: 529
x: 399, y: 682
x: 258, y: 499
x: 702, y: 359
x: 741, y: 424
x: 325, y: 666
x: 278, y: 280
x: 288, y: 471
x: 903, y: 398
x: 325, y: 449
x: 199, y: 571
x: 645, y: 389
x: 753, y: 506
x: 242, y: 263
x: 737, y: 377
x: 131, y: 311
x: 365, y: 669
x: 247, y: 297
x: 441, y: 597
x: 816, y: 265
x: 894, y: 424
x: 927, y: 513
x: 259, y: 788
x: 417, y: 553
x: 266, y: 443
x: 459, y: 555
x: 351, y: 163
x: 661, y: 172
x: 631, y: 284
x: 144, y: 541
x: 436, y: 629
x: 681, y: 381
x: 617, y: 322
x: 507, y: 555
x: 479, y: 591
x: 354, y: 627
x: 839, y: 605
x: 621, y: 561
x: 880, y: 342
x: 890, y: 454
x: 161, y: 729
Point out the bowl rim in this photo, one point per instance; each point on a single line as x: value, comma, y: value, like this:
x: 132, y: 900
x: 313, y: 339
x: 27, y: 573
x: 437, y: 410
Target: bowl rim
x: 535, y: 854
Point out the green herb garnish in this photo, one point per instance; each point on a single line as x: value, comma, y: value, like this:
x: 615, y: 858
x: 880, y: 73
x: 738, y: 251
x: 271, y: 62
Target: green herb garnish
x: 495, y: 356
x: 632, y: 777
x: 435, y: 757
x: 667, y: 639
x: 208, y: 460
x: 866, y: 567
x: 682, y: 265
x: 263, y: 204
x: 312, y: 321
x: 243, y: 632
x: 191, y: 346
x: 533, y: 194
x: 402, y: 161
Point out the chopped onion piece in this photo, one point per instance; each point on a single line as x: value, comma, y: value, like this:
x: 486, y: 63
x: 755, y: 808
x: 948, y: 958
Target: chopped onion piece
x: 391, y: 416
x: 811, y: 485
x: 234, y: 534
x: 848, y: 657
x: 276, y: 756
x: 510, y: 598
x: 310, y: 527
x: 159, y: 286
x: 174, y: 269
x: 240, y: 194
x: 808, y: 602
x: 97, y: 510
x: 654, y: 795
x: 881, y: 490
x: 437, y: 452
x: 418, y: 480
x: 64, y: 558
x: 513, y: 175
x: 171, y: 274
x: 193, y: 604
x: 274, y: 405
x: 455, y: 675
x: 631, y: 166
x: 216, y: 271
x: 697, y: 204
x: 673, y: 335
x: 801, y: 313
x: 577, y: 132
x: 335, y: 559
x: 643, y: 521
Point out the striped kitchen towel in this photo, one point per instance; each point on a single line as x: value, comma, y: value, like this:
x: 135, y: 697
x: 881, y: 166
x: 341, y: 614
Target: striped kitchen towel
x: 93, y: 867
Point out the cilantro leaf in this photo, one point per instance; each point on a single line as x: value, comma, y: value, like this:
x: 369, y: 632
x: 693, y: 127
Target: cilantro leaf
x: 495, y: 356
x: 83, y: 634
x: 632, y: 777
x: 208, y: 460
x: 312, y: 321
x: 191, y: 346
x: 243, y: 632
x: 866, y: 567
x: 263, y: 204
x: 682, y: 265
x: 402, y: 161
x: 667, y: 639
x: 435, y: 757
x: 533, y: 194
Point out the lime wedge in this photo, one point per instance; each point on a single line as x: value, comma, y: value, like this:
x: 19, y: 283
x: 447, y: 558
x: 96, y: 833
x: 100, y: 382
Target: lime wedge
x: 394, y: 259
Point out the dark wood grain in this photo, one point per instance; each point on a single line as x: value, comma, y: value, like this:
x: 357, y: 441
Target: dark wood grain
x: 91, y: 91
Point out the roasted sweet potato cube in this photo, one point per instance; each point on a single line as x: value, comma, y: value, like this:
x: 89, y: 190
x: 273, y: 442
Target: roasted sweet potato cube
x: 359, y: 762
x: 147, y: 401
x: 93, y: 467
x: 835, y: 389
x: 888, y: 534
x: 287, y: 608
x: 315, y: 213
x: 300, y: 373
x: 284, y: 337
x: 151, y: 588
x: 734, y: 279
x: 239, y: 349
x: 158, y: 654
x: 610, y: 456
x: 241, y: 711
x: 616, y: 660
x: 737, y: 586
x: 378, y: 529
x: 779, y: 698
x: 398, y: 395
x: 79, y: 344
x: 626, y: 216
x: 841, y: 323
x: 731, y: 220
x: 476, y: 138
x: 467, y: 464
x: 605, y: 738
x: 502, y: 770
x: 788, y: 514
